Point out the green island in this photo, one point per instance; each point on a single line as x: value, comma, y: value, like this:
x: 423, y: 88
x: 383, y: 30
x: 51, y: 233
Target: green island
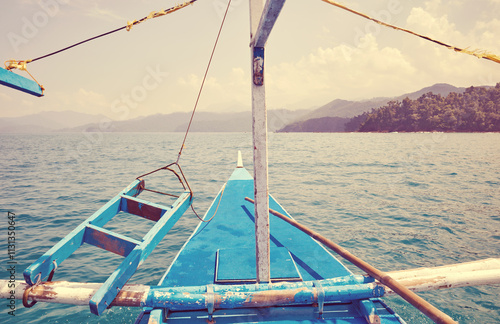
x: 475, y: 110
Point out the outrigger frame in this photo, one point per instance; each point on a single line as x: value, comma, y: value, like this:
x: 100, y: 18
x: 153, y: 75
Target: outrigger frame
x: 91, y: 231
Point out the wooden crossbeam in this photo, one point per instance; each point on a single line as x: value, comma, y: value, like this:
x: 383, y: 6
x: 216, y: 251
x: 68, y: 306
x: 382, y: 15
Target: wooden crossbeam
x: 91, y: 232
x: 142, y: 208
x: 109, y: 241
x: 270, y: 13
x: 41, y: 268
x: 108, y: 291
x: 15, y: 81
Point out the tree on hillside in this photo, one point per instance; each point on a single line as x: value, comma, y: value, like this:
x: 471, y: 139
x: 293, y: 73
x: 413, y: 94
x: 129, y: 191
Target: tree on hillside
x: 475, y: 110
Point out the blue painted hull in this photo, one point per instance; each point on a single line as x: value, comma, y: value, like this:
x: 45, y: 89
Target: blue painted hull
x: 222, y: 252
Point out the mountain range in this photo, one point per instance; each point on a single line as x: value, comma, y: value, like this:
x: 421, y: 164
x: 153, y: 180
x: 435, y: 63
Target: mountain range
x: 333, y: 116
x: 329, y: 117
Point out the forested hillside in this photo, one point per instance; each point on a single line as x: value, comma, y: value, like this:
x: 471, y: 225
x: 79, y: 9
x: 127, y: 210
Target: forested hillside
x: 475, y: 110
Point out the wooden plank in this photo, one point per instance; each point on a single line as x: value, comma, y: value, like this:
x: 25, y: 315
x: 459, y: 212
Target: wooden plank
x: 108, y: 291
x: 237, y: 265
x: 15, y: 81
x: 162, y: 227
x: 40, y: 269
x: 142, y: 208
x: 233, y: 225
x: 269, y: 16
x: 113, y: 207
x: 109, y: 241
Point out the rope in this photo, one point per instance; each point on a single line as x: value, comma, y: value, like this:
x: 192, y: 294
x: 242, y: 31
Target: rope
x: 189, y: 126
x: 477, y: 53
x: 21, y: 65
x: 203, y: 82
x: 13, y: 64
x: 27, y: 291
x: 216, y: 209
x: 156, y: 14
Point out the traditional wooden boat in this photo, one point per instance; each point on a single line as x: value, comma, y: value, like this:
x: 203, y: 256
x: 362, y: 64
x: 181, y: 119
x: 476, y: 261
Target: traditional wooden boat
x: 214, y: 279
x: 240, y: 265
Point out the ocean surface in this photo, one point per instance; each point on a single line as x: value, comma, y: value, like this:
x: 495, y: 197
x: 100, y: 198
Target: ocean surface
x: 399, y: 201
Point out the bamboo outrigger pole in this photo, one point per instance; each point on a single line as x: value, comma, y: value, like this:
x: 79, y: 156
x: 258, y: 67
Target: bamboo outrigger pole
x: 475, y: 273
x: 418, y: 302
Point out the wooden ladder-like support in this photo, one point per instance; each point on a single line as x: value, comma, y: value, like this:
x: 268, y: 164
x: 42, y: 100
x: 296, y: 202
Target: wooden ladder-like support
x: 91, y: 231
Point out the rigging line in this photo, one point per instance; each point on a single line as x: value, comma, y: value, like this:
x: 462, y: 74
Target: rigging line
x: 476, y: 53
x: 216, y: 209
x: 129, y: 25
x: 203, y: 82
x: 74, y: 45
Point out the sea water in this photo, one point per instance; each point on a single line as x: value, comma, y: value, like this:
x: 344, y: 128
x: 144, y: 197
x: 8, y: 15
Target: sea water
x: 398, y: 201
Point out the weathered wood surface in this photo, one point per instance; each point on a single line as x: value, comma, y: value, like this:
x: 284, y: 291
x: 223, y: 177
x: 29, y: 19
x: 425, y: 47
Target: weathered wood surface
x: 475, y: 273
x: 269, y: 16
x: 197, y: 297
x: 259, y: 132
x: 134, y: 252
x: 18, y: 82
x: 40, y: 269
x: 71, y: 293
x: 106, y: 294
x: 482, y: 272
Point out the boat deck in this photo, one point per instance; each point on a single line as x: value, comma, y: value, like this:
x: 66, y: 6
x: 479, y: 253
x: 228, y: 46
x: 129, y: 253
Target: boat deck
x: 222, y: 252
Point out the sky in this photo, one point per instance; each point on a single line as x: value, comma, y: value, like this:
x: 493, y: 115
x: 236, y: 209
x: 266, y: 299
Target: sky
x: 315, y: 54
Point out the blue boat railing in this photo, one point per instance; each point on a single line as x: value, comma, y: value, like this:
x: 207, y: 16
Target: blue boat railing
x: 91, y: 231
x: 356, y: 290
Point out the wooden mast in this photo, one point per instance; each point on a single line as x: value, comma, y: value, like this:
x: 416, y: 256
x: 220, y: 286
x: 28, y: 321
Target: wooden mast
x: 262, y: 19
x: 259, y: 129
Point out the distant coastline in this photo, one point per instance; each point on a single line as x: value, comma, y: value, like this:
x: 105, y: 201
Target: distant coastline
x: 476, y: 109
x: 440, y: 108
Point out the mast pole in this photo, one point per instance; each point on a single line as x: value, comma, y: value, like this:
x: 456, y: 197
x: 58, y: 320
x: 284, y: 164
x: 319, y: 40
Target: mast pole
x: 259, y: 130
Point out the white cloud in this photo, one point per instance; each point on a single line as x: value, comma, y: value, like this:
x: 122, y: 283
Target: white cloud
x: 487, y: 32
x: 361, y: 72
x: 100, y: 13
x: 423, y: 22
x: 452, y: 67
